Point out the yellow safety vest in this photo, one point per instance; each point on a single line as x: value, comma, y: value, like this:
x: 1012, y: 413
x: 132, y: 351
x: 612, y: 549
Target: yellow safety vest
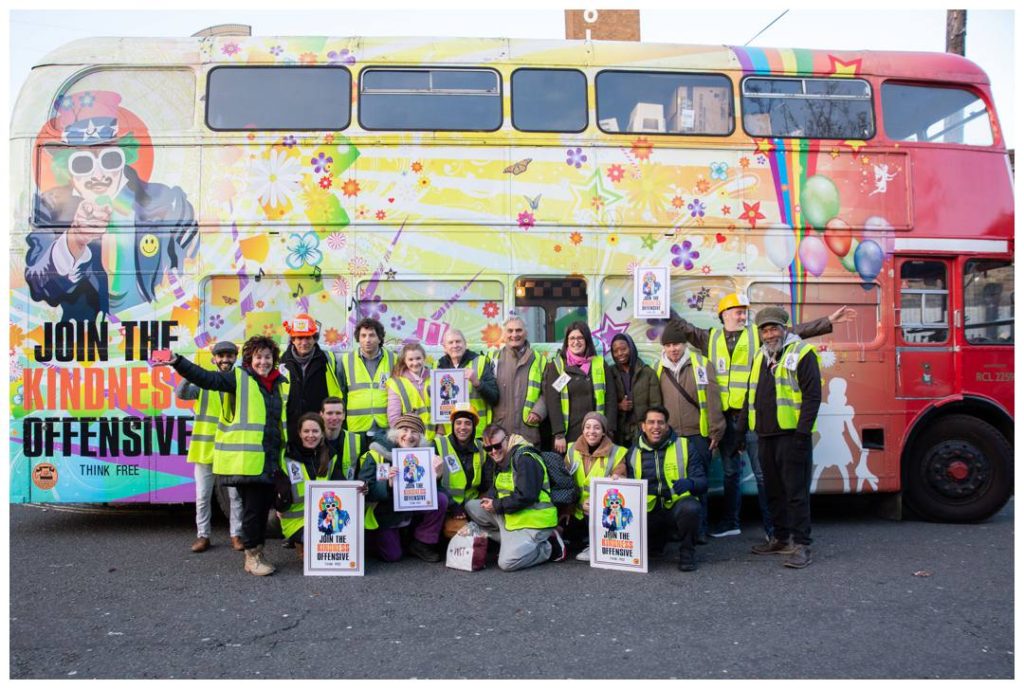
x: 732, y: 371
x: 412, y: 401
x: 535, y: 379
x: 333, y: 386
x: 238, y: 446
x: 542, y: 514
x: 476, y: 401
x: 204, y: 427
x: 596, y: 379
x: 674, y: 466
x: 602, y: 466
x: 455, y: 482
x: 788, y: 396
x: 697, y: 363
x: 367, y: 399
x: 294, y: 518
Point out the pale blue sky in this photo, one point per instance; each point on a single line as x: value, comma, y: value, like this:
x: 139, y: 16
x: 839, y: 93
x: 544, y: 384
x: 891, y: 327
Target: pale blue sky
x: 990, y: 33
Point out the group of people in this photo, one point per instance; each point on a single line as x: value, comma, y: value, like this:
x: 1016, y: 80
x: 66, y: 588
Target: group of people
x: 275, y: 422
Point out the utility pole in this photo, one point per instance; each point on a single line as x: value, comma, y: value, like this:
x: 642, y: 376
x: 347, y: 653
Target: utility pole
x: 602, y: 25
x: 956, y: 31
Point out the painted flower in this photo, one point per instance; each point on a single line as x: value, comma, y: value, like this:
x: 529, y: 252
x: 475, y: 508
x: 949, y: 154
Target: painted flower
x: 615, y: 173
x: 289, y: 141
x: 350, y: 188
x: 325, y: 182
x: 696, y: 208
x: 336, y: 241
x: 424, y: 182
x: 685, y: 255
x: 380, y: 215
x: 373, y: 308
x: 362, y: 212
x: 303, y: 250
x: 269, y: 329
x: 332, y: 337
x: 341, y: 57
x: 260, y: 304
x: 642, y: 148
x: 632, y: 266
x: 526, y: 220
x: 230, y: 49
x: 65, y: 103
x: 576, y: 238
x: 216, y: 321
x: 827, y: 358
x: 726, y: 210
x: 491, y: 309
x: 744, y: 162
x: 16, y: 371
x: 557, y: 248
x: 322, y: 163
x: 416, y: 166
x: 308, y: 58
x: 86, y: 100
x: 677, y: 202
x: 575, y: 157
x: 276, y: 50
x: 695, y: 302
x: 397, y: 322
x: 490, y: 335
x: 358, y: 266
x: 613, y: 239
x: 597, y: 202
x: 741, y: 267
x: 706, y: 269
x: 276, y: 179
x: 340, y: 287
x: 328, y: 138
x: 752, y: 213
x: 719, y: 171
x: 703, y: 186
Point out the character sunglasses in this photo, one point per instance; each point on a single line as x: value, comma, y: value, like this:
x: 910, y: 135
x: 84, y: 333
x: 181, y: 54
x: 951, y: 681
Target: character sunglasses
x: 86, y: 162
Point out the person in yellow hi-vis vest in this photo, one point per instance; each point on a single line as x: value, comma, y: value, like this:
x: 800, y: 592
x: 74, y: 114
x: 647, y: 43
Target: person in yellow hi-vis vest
x: 313, y: 373
x: 346, y: 445
x: 730, y: 349
x: 200, y: 451
x: 519, y: 374
x: 409, y: 388
x: 593, y: 455
x: 464, y: 459
x: 674, y: 480
x: 483, y: 388
x: 363, y: 383
x: 517, y: 511
x: 577, y: 381
x: 782, y: 408
x: 250, y: 435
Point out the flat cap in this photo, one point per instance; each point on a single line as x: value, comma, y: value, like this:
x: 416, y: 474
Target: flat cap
x: 772, y: 315
x: 224, y: 347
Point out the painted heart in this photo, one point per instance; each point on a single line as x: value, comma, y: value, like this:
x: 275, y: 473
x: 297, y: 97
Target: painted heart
x: 391, y: 199
x: 720, y: 238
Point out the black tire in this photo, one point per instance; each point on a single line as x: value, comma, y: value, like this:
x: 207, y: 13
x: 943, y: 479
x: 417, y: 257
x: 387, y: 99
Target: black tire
x: 959, y: 470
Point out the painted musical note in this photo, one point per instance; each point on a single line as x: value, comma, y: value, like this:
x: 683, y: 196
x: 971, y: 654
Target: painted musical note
x: 260, y: 275
x: 299, y: 290
x: 622, y: 305
x: 316, y: 274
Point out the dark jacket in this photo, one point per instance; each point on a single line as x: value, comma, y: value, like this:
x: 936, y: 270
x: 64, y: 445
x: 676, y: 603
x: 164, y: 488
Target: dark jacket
x: 640, y: 382
x: 488, y: 387
x: 581, y: 399
x: 652, y: 463
x: 308, y: 388
x: 529, y: 479
x: 701, y: 337
x: 273, y: 433
x: 808, y: 374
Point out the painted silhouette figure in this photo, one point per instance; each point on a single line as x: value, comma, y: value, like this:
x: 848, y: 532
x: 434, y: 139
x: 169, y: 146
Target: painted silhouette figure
x: 834, y: 418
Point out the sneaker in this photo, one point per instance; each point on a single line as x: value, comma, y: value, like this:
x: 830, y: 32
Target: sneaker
x: 424, y: 551
x: 687, y: 560
x: 799, y: 558
x: 725, y: 532
x: 702, y: 538
x: 202, y: 543
x: 558, y: 551
x: 584, y: 555
x: 773, y: 547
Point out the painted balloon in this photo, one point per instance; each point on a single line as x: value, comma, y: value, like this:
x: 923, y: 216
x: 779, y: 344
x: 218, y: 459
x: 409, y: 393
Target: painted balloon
x: 838, y: 236
x: 847, y: 260
x: 813, y: 254
x: 868, y: 259
x: 819, y: 201
x: 880, y: 230
x: 780, y: 248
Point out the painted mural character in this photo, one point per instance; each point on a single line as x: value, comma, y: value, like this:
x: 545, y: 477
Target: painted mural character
x: 412, y: 472
x: 104, y: 238
x: 615, y: 516
x: 332, y: 518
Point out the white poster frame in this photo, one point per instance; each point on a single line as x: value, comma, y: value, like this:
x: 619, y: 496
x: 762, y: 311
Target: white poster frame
x: 635, y: 493
x: 658, y: 305
x: 425, y: 459
x: 440, y: 411
x: 354, y: 501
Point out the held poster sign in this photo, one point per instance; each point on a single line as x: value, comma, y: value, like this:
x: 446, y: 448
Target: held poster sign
x: 415, y: 485
x: 618, y: 524
x: 651, y: 292
x: 448, y: 388
x: 333, y: 535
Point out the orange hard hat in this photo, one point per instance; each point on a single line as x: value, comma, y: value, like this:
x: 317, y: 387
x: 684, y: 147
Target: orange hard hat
x: 302, y: 325
x: 732, y: 301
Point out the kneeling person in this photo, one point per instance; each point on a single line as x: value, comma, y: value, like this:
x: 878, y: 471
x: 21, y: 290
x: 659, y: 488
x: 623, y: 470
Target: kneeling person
x: 463, y: 459
x: 517, y: 511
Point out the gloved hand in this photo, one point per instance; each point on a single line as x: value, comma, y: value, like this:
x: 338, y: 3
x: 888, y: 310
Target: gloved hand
x: 683, y: 485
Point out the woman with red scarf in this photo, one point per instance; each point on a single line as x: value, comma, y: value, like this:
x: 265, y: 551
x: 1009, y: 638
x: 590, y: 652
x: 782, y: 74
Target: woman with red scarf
x: 577, y: 381
x: 243, y: 456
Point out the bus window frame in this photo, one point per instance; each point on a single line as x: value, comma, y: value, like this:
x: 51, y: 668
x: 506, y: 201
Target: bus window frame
x: 586, y: 101
x: 420, y: 68
x: 994, y: 130
x: 804, y: 96
x: 206, y: 99
x: 625, y: 132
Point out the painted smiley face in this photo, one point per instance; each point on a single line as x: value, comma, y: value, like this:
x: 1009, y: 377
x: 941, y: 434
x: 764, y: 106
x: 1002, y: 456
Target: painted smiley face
x: 149, y: 245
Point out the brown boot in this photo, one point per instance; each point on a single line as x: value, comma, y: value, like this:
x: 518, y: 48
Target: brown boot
x: 300, y: 550
x: 255, y: 564
x: 773, y: 547
x: 799, y: 558
x: 236, y: 543
x: 202, y: 543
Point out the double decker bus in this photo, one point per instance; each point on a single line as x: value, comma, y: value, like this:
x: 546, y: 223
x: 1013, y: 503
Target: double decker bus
x: 172, y: 193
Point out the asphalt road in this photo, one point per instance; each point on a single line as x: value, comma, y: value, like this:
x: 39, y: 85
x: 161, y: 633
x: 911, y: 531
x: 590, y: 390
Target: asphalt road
x: 117, y: 594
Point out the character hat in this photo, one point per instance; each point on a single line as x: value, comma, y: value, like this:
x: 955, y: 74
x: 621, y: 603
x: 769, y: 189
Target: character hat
x: 466, y: 410
x: 87, y: 118
x: 225, y: 347
x: 410, y: 421
x: 733, y: 301
x: 302, y: 326
x: 613, y: 494
x: 772, y: 315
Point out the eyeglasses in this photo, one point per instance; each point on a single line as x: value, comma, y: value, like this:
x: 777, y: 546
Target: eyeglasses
x: 86, y: 162
x: 496, y: 446
x: 577, y: 338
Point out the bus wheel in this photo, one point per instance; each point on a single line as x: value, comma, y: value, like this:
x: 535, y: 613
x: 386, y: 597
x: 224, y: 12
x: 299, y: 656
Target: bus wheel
x: 960, y: 470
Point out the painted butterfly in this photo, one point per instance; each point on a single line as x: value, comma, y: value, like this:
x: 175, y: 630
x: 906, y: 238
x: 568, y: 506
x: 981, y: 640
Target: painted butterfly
x: 519, y: 167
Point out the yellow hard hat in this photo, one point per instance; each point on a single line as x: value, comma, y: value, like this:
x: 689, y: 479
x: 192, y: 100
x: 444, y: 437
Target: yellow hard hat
x: 465, y: 409
x: 732, y: 301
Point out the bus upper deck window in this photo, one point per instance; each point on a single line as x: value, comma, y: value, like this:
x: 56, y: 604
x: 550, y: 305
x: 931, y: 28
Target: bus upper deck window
x: 808, y: 108
x: 664, y: 103
x: 430, y: 99
x: 935, y: 114
x: 278, y: 98
x: 549, y: 100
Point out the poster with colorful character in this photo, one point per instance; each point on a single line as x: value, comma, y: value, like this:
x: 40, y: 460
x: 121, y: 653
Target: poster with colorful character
x: 415, y: 486
x: 651, y: 292
x: 333, y: 535
x: 618, y: 524
x: 448, y: 389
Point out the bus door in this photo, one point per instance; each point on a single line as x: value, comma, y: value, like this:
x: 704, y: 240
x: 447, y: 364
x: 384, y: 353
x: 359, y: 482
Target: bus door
x: 924, y: 336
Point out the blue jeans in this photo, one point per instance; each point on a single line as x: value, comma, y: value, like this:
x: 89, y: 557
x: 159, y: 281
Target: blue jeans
x: 703, y: 453
x: 732, y: 471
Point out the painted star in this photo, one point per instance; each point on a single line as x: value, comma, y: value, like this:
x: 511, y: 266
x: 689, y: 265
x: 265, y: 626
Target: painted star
x: 854, y: 145
x: 593, y: 187
x: 765, y: 146
x: 844, y: 69
x: 608, y: 330
x: 649, y: 241
x: 390, y: 273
